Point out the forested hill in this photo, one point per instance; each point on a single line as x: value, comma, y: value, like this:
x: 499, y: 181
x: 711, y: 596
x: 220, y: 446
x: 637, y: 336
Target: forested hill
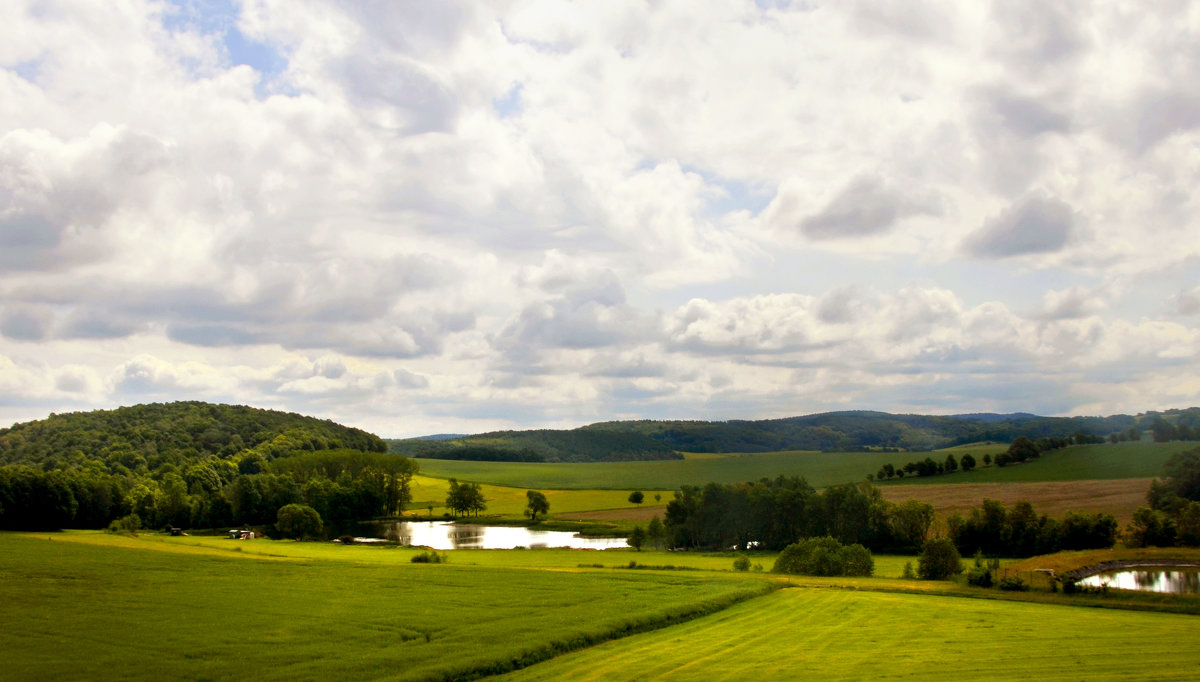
x: 830, y: 431
x: 145, y: 438
x: 192, y: 465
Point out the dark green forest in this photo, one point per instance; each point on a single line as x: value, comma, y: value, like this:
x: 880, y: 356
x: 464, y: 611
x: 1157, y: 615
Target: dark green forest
x: 771, y: 514
x: 192, y: 465
x: 829, y: 432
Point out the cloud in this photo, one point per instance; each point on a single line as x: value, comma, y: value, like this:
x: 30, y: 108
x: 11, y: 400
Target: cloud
x: 1073, y: 303
x: 347, y: 208
x: 26, y: 323
x: 147, y: 376
x: 1188, y: 302
x: 1032, y: 225
x: 408, y: 380
x: 866, y: 205
x: 76, y: 379
x: 1022, y: 115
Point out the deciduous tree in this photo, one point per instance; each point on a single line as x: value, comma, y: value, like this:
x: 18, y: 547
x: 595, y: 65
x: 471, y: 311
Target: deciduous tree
x: 537, y: 504
x: 298, y: 521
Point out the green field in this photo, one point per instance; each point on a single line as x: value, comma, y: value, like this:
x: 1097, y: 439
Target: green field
x: 128, y: 611
x: 510, y: 502
x: 1109, y: 461
x: 87, y: 605
x: 1078, y: 462
x: 823, y: 634
x: 820, y: 468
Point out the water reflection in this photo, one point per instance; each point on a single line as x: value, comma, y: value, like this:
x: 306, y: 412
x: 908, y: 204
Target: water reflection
x: 447, y: 535
x: 1163, y: 580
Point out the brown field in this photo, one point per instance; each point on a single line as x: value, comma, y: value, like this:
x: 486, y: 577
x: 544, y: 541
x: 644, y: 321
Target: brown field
x: 1119, y: 497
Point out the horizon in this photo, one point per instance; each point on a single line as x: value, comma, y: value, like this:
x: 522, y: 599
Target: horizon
x: 418, y: 217
x: 716, y: 420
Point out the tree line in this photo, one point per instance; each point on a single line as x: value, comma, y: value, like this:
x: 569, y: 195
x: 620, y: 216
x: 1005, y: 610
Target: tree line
x: 191, y: 464
x: 996, y: 530
x: 1172, y: 516
x: 1022, y: 449
x: 341, y: 485
x: 771, y: 514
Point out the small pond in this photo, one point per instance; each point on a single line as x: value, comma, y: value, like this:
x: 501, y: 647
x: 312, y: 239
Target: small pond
x: 1166, y: 580
x: 448, y: 535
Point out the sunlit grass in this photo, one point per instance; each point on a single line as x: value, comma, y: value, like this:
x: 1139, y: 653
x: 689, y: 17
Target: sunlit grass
x: 824, y: 634
x: 127, y: 609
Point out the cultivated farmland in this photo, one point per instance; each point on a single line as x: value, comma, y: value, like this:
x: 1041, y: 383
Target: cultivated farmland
x: 824, y: 634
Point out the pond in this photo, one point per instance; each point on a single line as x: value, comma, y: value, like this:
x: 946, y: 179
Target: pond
x: 449, y: 535
x: 1163, y: 579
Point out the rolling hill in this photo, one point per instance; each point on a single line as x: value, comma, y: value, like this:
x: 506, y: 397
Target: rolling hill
x: 828, y: 432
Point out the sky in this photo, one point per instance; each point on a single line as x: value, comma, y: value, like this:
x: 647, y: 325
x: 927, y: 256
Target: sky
x: 453, y: 217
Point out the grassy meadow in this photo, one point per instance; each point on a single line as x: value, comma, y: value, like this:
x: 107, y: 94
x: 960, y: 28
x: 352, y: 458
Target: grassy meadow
x: 820, y: 468
x: 1109, y: 478
x: 91, y: 605
x: 1080, y: 462
x: 141, y: 609
x: 829, y: 634
x: 509, y: 502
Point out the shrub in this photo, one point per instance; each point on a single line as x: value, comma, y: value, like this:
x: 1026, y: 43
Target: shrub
x: 742, y: 563
x: 430, y: 558
x: 939, y: 560
x: 980, y: 576
x: 1012, y: 584
x: 346, y: 539
x: 908, y: 571
x: 826, y: 557
x: 129, y: 525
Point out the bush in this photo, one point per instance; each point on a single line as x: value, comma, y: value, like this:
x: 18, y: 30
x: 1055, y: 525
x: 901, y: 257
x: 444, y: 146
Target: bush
x: 826, y: 557
x: 128, y: 525
x: 939, y: 560
x: 1012, y: 584
x: 742, y: 563
x: 430, y: 558
x: 980, y: 576
x: 346, y: 539
x: 908, y: 571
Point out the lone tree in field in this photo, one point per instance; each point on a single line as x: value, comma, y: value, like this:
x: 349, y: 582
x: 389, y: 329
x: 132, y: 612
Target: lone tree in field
x: 298, y: 521
x: 939, y: 560
x: 538, y: 504
x: 637, y: 538
x: 637, y: 496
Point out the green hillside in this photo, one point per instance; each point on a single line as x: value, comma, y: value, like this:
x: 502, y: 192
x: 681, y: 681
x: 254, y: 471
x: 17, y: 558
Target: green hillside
x: 1108, y: 461
x: 827, y: 432
x: 144, y: 438
x: 191, y: 464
